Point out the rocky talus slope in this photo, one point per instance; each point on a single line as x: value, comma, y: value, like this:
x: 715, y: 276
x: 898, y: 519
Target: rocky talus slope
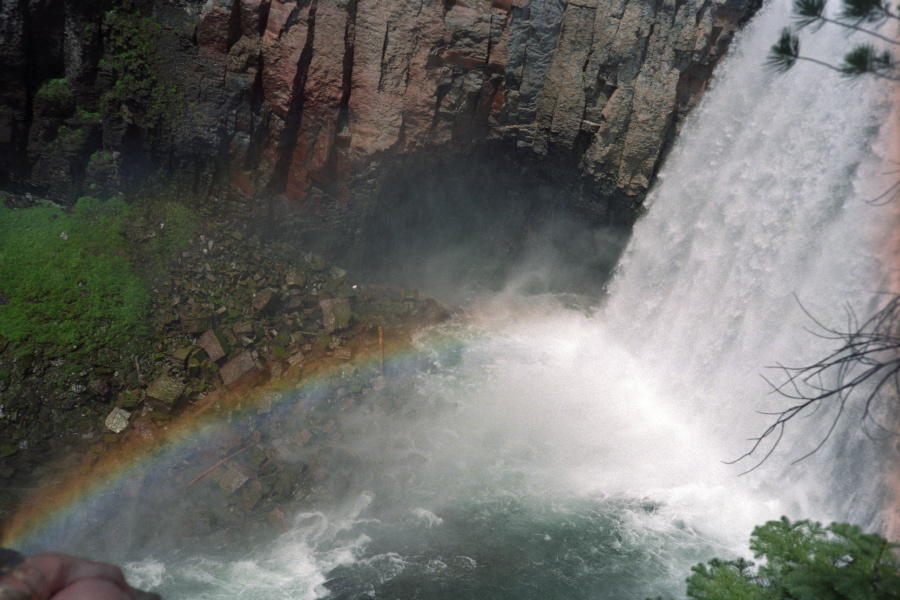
x: 238, y: 330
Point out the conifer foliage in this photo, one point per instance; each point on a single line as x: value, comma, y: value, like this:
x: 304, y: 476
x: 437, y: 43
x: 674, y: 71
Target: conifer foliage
x: 875, y: 57
x: 802, y: 560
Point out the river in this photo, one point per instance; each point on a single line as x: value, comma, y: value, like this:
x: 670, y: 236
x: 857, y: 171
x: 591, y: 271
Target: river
x: 572, y: 447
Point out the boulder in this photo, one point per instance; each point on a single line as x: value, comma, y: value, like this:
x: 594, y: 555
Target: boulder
x: 239, y: 369
x: 336, y: 313
x: 264, y: 299
x: 164, y: 393
x: 212, y: 30
x: 214, y: 344
x: 233, y: 477
x: 117, y: 420
x: 295, y: 278
x: 194, y: 323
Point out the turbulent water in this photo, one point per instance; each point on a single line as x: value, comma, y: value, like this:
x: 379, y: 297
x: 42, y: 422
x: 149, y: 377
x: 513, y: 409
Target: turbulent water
x: 568, y: 450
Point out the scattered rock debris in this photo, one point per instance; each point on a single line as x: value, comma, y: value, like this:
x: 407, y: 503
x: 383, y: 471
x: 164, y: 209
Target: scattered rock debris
x: 239, y: 323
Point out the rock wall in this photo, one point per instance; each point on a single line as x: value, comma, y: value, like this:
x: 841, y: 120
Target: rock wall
x: 301, y: 100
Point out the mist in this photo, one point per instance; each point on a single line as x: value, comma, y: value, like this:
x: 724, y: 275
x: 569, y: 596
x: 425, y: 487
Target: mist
x: 484, y: 221
x: 571, y: 431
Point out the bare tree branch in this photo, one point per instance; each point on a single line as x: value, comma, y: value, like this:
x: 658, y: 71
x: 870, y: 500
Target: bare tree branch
x: 864, y: 369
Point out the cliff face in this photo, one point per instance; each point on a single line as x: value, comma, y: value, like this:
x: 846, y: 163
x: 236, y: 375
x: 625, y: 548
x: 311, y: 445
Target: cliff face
x: 301, y: 100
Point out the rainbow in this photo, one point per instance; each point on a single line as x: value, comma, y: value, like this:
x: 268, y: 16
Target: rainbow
x: 47, y: 513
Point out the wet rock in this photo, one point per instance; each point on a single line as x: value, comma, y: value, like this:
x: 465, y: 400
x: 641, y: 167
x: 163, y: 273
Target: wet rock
x: 293, y: 303
x: 304, y: 436
x: 264, y: 299
x: 233, y: 477
x: 117, y: 420
x: 336, y: 313
x: 214, y: 344
x: 265, y: 403
x: 194, y: 324
x: 295, y: 278
x: 278, y: 519
x: 243, y: 328
x: 316, y: 262
x: 100, y: 387
x: 343, y: 353
x: 242, y: 367
x: 251, y: 494
x: 164, y: 392
x: 180, y: 356
x: 145, y: 429
x: 434, y: 312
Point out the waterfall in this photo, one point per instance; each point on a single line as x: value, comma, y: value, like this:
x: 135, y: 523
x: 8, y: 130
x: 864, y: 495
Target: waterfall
x: 760, y: 217
x: 557, y: 449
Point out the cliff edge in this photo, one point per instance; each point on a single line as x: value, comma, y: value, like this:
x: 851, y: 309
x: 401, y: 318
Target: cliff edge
x: 302, y: 100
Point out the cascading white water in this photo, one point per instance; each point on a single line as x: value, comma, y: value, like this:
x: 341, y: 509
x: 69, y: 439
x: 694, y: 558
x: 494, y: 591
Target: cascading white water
x: 761, y: 213
x: 583, y: 455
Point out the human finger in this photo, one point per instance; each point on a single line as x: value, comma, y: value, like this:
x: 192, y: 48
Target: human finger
x: 62, y: 570
x: 92, y: 589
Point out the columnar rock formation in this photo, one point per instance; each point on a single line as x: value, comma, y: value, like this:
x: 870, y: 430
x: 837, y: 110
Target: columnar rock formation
x: 297, y: 98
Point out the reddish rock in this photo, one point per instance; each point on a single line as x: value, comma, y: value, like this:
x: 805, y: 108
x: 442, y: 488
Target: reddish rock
x: 212, y: 30
x: 145, y: 428
x: 295, y: 278
x: 251, y: 16
x: 336, y: 313
x: 164, y: 393
x: 238, y: 370
x: 214, y: 345
x: 281, y: 45
x: 303, y: 97
x: 264, y: 299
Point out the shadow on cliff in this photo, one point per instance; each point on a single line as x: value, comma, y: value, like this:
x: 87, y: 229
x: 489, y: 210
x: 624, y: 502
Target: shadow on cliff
x: 457, y: 225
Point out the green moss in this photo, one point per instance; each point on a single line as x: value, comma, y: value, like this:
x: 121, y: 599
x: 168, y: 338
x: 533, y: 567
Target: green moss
x: 172, y: 224
x: 70, y: 135
x: 131, y: 42
x: 100, y: 157
x: 55, y: 91
x: 70, y: 285
x: 87, y: 117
